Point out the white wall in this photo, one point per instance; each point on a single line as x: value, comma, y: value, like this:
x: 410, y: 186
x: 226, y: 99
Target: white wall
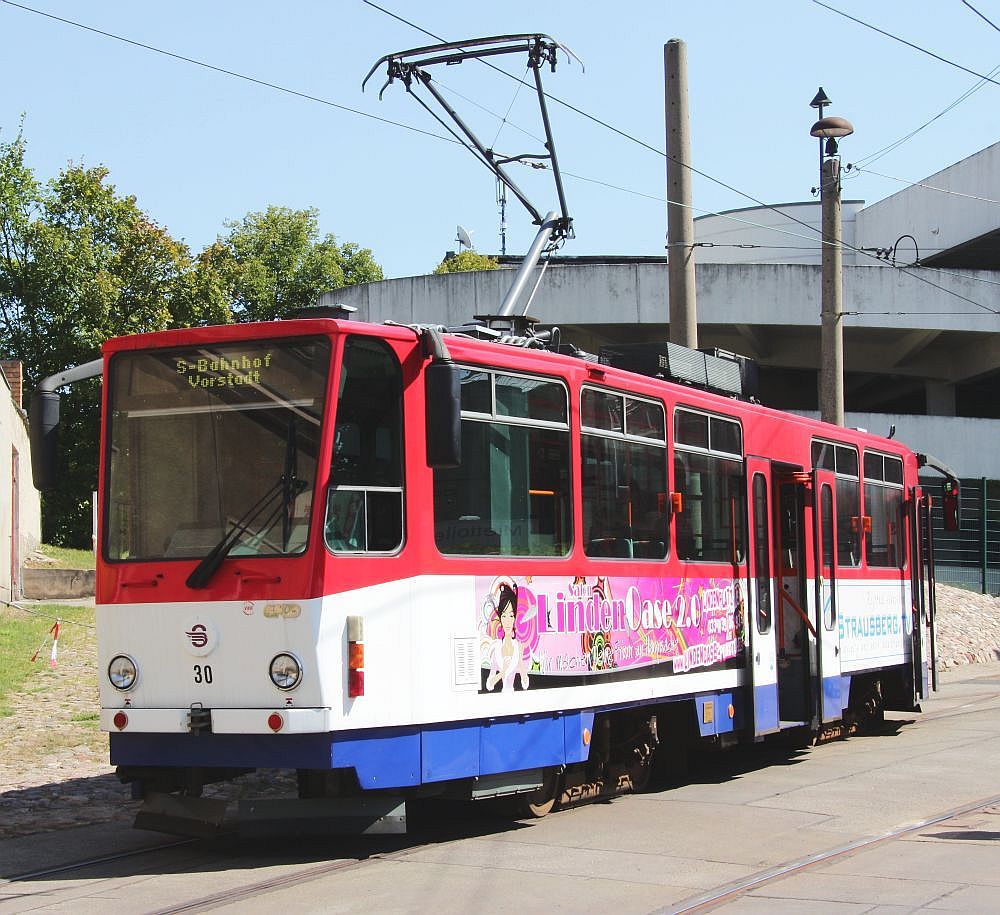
x: 767, y: 294
x: 946, y: 210
x: 14, y: 437
x: 771, y: 235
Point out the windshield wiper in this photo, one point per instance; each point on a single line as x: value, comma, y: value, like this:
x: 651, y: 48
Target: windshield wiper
x: 288, y: 486
x: 203, y: 572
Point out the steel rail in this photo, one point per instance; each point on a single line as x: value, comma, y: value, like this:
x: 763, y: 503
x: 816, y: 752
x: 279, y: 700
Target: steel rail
x: 731, y: 891
x: 103, y: 859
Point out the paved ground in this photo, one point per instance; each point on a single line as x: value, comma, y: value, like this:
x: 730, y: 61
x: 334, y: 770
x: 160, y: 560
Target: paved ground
x: 781, y: 831
x: 45, y: 790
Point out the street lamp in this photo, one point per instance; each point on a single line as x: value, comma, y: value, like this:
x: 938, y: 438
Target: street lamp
x: 831, y: 377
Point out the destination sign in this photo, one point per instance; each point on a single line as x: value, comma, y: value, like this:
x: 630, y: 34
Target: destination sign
x: 224, y: 371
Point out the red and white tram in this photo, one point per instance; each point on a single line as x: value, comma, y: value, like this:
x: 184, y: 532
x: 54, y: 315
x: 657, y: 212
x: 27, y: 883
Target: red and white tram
x: 407, y: 563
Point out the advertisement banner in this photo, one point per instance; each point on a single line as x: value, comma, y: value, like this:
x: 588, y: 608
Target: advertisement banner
x: 558, y: 627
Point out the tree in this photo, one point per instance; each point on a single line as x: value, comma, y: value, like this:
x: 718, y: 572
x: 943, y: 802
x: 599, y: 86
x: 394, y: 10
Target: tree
x: 79, y: 264
x: 275, y: 262
x: 465, y: 261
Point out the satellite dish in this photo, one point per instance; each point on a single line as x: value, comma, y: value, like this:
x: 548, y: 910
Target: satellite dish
x: 464, y: 237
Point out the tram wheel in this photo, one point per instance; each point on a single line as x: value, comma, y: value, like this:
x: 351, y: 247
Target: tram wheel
x: 640, y: 773
x: 539, y: 803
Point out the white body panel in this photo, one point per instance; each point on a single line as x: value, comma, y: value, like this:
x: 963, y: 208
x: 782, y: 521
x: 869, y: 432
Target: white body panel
x: 417, y: 632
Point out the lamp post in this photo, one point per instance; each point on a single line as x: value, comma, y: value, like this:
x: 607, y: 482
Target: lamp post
x: 831, y: 377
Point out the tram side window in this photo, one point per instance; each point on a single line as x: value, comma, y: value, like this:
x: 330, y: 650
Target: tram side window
x: 364, y: 510
x: 884, y: 543
x: 709, y: 475
x: 843, y: 461
x: 511, y: 494
x: 826, y: 534
x: 623, y: 476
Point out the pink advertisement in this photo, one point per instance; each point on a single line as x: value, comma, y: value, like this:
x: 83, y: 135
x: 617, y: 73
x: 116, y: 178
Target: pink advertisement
x: 547, y: 626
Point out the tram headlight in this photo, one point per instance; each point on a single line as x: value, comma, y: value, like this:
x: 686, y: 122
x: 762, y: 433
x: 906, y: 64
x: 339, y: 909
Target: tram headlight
x: 285, y: 671
x: 122, y: 672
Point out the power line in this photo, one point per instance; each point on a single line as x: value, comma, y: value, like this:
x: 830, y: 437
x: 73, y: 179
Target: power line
x: 455, y: 139
x: 909, y: 44
x: 929, y: 187
x: 696, y: 171
x: 907, y: 314
x: 223, y: 70
x: 721, y: 183
x: 980, y: 15
x: 885, y: 150
x: 452, y: 139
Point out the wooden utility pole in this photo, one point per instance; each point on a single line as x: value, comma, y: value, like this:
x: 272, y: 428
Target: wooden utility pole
x: 680, y: 222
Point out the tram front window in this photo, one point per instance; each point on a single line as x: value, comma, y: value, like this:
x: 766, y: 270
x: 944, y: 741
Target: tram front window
x: 213, y: 446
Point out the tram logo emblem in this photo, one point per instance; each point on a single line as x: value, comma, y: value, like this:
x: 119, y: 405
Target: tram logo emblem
x: 200, y: 636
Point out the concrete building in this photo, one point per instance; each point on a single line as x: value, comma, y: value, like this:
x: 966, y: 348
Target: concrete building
x: 20, y: 507
x: 921, y: 303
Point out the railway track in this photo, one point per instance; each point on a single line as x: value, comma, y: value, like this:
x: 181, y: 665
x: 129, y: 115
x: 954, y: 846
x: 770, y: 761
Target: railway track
x: 721, y: 895
x: 305, y: 872
x: 192, y: 862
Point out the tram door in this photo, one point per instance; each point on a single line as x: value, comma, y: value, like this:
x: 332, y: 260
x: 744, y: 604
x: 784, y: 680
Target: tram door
x: 827, y: 630
x: 922, y: 590
x: 760, y: 590
x: 795, y: 630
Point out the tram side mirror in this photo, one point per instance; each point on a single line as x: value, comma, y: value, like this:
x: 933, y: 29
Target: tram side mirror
x: 43, y: 433
x: 950, y: 505
x: 444, y: 415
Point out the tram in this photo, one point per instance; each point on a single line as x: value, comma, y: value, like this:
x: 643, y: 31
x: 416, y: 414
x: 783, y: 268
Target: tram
x: 415, y: 562
x: 405, y: 562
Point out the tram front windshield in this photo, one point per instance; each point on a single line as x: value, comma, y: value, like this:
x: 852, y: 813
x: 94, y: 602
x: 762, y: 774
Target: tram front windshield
x: 212, y: 442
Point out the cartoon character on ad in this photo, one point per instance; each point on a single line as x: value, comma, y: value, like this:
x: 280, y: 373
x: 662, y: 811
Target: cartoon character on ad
x: 504, y: 651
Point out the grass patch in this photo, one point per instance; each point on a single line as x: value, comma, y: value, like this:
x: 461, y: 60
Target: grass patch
x: 23, y: 633
x: 62, y: 557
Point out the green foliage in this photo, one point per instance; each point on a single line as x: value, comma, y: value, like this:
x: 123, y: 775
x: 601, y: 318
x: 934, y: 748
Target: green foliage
x: 465, y: 261
x: 80, y: 263
x: 275, y: 262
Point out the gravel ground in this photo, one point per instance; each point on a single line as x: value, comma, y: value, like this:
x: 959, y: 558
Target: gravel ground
x: 54, y: 772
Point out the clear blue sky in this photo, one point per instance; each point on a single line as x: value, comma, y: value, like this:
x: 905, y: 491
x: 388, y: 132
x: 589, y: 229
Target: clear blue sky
x: 198, y: 147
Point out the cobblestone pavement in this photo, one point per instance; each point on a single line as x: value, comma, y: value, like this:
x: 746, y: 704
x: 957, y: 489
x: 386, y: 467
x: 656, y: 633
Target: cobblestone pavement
x: 75, y: 786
